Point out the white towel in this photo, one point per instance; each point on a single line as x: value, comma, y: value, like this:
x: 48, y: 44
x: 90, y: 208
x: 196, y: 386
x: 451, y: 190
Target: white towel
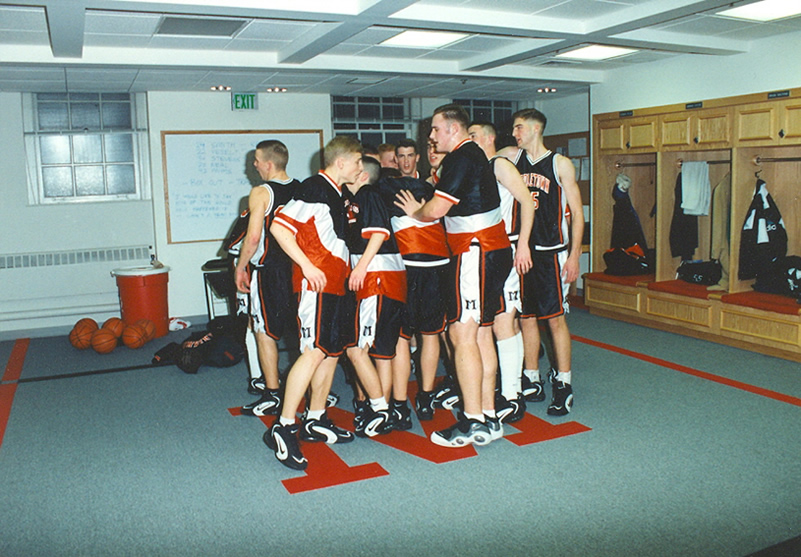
x: 696, y: 191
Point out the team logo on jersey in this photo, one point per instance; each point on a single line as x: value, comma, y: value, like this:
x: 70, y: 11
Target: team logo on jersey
x: 470, y: 304
x: 537, y: 181
x: 367, y: 331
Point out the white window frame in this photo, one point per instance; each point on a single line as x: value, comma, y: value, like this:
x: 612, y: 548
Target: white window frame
x: 141, y: 155
x: 357, y: 126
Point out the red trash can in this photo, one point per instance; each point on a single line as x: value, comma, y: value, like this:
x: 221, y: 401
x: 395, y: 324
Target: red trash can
x: 143, y: 295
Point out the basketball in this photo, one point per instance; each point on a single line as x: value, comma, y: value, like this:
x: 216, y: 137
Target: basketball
x: 115, y: 325
x: 87, y: 322
x: 134, y: 336
x: 104, y: 341
x: 81, y: 336
x: 149, y: 328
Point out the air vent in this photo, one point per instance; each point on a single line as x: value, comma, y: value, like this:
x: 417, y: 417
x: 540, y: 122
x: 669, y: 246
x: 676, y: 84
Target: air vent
x: 76, y: 257
x: 199, y: 27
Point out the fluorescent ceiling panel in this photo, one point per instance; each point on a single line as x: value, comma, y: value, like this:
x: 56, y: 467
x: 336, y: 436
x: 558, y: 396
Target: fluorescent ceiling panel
x: 767, y: 10
x: 596, y: 52
x: 424, y: 39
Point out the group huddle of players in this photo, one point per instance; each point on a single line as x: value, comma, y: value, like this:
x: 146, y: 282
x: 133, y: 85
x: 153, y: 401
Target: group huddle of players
x: 379, y: 264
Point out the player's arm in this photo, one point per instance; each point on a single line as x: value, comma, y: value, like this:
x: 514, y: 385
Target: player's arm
x: 510, y: 178
x: 359, y: 272
x: 286, y: 239
x: 428, y: 211
x: 508, y: 152
x: 567, y: 176
x: 258, y: 201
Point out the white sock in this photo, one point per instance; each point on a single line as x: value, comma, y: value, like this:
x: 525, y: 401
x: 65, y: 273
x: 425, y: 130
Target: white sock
x: 510, y: 360
x: 314, y: 414
x: 490, y: 413
x: 564, y: 376
x: 286, y: 421
x: 379, y: 404
x: 532, y: 374
x: 254, y: 367
x: 478, y: 418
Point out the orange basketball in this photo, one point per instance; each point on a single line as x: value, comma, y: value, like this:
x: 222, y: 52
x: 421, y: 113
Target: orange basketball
x: 81, y: 336
x: 88, y: 323
x: 115, y: 325
x: 134, y: 336
x: 104, y: 341
x: 149, y: 328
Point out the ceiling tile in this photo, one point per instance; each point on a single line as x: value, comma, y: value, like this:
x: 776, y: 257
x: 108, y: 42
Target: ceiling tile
x: 13, y: 18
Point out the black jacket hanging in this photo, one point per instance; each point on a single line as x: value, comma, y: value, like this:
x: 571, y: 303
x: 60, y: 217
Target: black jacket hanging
x: 683, y: 228
x: 764, y: 237
x: 626, y: 227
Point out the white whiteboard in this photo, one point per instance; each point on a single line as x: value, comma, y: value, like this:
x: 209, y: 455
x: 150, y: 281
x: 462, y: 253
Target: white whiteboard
x: 207, y: 173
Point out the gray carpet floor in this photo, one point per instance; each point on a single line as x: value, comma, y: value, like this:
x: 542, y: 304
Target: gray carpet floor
x: 150, y: 461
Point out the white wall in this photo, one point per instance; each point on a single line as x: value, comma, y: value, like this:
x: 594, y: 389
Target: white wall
x: 566, y: 114
x: 53, y: 295
x: 771, y: 64
x: 212, y: 111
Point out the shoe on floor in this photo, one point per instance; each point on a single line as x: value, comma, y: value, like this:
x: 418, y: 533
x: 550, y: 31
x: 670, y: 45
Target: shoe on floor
x: 324, y: 430
x: 533, y: 391
x: 462, y: 433
x: 562, y: 401
x: 401, y: 415
x: 509, y: 411
x: 424, y: 405
x: 447, y: 396
x: 372, y: 422
x: 495, y: 426
x: 267, y: 405
x: 256, y: 385
x: 283, y: 440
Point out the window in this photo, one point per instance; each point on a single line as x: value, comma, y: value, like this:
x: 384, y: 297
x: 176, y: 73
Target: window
x: 373, y: 120
x: 497, y: 112
x: 85, y: 147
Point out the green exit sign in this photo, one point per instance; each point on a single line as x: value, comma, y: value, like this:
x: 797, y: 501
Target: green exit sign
x: 244, y: 101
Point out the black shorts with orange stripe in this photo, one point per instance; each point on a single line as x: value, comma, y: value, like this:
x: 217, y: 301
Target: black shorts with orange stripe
x: 376, y: 325
x: 323, y: 322
x: 272, y: 304
x: 477, y: 278
x: 543, y: 289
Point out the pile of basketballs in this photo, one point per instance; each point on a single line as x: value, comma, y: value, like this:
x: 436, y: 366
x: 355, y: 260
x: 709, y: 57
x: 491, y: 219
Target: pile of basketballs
x: 86, y: 333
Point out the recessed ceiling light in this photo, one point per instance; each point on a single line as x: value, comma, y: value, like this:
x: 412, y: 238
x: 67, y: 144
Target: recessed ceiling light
x: 220, y: 87
x: 596, y: 52
x: 424, y: 39
x: 767, y: 10
x: 546, y: 90
x: 276, y: 89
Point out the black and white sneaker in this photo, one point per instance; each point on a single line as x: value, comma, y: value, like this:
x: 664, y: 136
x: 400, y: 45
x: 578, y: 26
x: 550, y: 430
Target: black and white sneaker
x: 267, y: 405
x: 332, y: 399
x: 401, y: 415
x: 509, y: 411
x: 447, y: 396
x: 495, y: 426
x: 562, y: 400
x: 552, y: 376
x: 283, y: 440
x: 372, y: 422
x: 324, y: 430
x: 424, y: 404
x: 533, y: 391
x: 462, y: 433
x: 256, y: 385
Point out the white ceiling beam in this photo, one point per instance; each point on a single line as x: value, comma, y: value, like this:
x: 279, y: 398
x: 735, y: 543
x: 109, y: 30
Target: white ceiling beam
x: 523, y: 50
x: 65, y: 24
x: 670, y: 41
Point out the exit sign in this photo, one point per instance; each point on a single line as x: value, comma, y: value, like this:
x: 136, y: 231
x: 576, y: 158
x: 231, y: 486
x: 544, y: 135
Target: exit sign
x: 244, y: 101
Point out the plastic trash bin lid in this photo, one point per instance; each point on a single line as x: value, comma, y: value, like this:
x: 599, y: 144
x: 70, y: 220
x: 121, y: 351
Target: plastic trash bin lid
x: 139, y: 271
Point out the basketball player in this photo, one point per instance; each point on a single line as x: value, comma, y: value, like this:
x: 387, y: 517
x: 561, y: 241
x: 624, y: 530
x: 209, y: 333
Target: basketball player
x: 311, y: 230
x: 467, y: 196
x: 517, y: 209
x: 551, y: 180
x: 386, y: 156
x: 378, y: 280
x: 269, y: 283
x: 407, y: 157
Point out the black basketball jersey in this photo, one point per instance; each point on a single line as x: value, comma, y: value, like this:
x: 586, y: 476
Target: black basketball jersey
x: 541, y: 176
x: 269, y: 252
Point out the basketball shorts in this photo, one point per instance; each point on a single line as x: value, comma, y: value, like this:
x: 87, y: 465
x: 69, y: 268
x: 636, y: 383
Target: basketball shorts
x: 323, y: 319
x: 477, y: 278
x: 511, y: 289
x: 376, y: 325
x: 242, y: 303
x: 426, y: 290
x: 272, y: 305
x: 544, y: 291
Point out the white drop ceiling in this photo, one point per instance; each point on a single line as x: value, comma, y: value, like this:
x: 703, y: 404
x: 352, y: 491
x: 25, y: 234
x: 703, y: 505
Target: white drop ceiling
x: 334, y: 46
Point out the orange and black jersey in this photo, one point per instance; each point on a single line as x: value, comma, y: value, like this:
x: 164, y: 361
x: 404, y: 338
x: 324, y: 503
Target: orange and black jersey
x: 268, y: 251
x: 367, y: 215
x: 316, y: 216
x: 422, y: 244
x: 467, y: 180
x: 541, y: 176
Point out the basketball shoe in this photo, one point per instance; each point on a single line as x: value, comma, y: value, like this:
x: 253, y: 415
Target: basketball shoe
x: 283, y: 440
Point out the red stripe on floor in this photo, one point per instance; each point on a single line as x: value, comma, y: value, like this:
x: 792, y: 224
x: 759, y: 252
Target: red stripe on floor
x: 6, y: 398
x: 694, y: 372
x: 15, y: 361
